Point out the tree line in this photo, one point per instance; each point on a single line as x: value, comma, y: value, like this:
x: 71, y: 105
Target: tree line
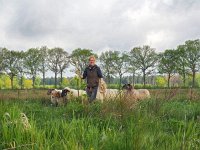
x: 144, y: 60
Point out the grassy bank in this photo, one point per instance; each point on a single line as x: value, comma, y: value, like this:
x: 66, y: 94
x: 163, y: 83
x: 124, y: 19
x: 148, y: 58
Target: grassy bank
x: 152, y: 124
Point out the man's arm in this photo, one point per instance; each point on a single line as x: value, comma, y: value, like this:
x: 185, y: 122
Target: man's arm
x: 99, y: 73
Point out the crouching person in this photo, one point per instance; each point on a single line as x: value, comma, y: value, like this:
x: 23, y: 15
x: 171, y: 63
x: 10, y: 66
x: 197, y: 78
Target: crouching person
x: 92, y: 74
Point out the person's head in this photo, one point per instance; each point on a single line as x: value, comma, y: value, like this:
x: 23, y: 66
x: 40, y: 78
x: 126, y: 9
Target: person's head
x: 92, y: 60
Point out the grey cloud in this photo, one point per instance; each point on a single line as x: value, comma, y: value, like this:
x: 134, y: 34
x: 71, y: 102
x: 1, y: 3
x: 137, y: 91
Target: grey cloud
x: 98, y: 25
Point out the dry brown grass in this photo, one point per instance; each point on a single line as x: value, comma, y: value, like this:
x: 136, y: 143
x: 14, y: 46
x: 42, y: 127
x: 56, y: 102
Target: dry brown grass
x: 171, y: 94
x: 23, y: 94
x: 165, y: 94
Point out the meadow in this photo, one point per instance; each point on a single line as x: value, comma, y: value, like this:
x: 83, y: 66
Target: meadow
x: 169, y: 120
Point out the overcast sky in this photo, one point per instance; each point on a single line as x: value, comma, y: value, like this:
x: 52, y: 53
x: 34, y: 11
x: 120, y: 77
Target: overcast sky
x: 98, y: 24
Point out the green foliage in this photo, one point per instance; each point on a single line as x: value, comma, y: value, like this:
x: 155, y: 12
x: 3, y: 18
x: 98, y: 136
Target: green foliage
x: 197, y: 80
x: 160, y: 81
x: 28, y: 84
x: 11, y: 63
x: 32, y: 62
x: 181, y: 63
x: 77, y: 83
x: 120, y: 64
x: 167, y: 63
x: 79, y: 58
x: 112, y: 86
x: 185, y: 61
x: 5, y: 82
x: 65, y: 82
x: 146, y: 58
x: 57, y: 61
x: 37, y: 82
x: 15, y: 83
x: 191, y: 50
x: 106, y: 59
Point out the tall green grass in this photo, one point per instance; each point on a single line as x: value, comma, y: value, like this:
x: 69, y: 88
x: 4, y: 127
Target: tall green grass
x: 151, y: 124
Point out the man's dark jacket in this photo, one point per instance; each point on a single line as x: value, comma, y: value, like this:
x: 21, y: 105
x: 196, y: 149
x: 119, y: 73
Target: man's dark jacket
x: 92, y: 73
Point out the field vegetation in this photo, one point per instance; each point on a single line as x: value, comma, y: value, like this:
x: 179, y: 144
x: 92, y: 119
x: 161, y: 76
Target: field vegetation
x: 169, y: 120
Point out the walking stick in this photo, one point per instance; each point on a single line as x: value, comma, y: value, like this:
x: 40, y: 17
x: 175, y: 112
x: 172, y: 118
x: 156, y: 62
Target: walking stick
x: 78, y: 76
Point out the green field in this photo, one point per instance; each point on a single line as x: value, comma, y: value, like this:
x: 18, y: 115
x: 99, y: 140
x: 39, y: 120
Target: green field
x: 169, y: 120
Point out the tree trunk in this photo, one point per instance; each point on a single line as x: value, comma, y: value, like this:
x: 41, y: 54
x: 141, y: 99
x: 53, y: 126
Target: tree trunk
x: 152, y: 80
x: 144, y: 78
x: 183, y: 79
x: 55, y: 79
x: 43, y: 79
x: 11, y: 79
x: 21, y: 82
x: 78, y: 87
x: 168, y: 80
x: 133, y: 78
x: 193, y: 78
x: 33, y: 79
x: 137, y: 78
x: 108, y: 77
x: 120, y: 81
x: 61, y: 77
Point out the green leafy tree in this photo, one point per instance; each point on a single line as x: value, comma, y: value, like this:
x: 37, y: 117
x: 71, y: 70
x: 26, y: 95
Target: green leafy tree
x: 106, y: 60
x: 55, y: 57
x: 32, y: 61
x: 2, y: 52
x: 79, y: 59
x: 20, y: 67
x: 43, y: 67
x: 191, y: 50
x: 146, y: 59
x: 10, y: 62
x: 167, y: 64
x: 120, y: 64
x: 133, y: 65
x: 181, y: 63
x: 63, y: 64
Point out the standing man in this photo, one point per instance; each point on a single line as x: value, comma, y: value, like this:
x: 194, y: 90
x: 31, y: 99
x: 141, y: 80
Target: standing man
x: 92, y: 74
